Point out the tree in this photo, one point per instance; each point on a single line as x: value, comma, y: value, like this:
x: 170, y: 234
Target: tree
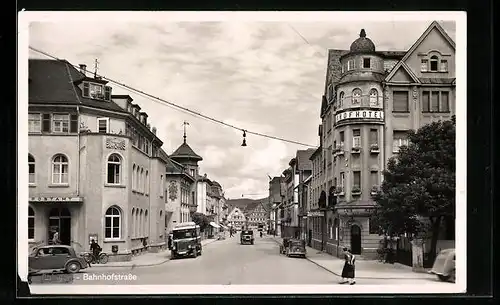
x: 419, y: 184
x: 201, y: 220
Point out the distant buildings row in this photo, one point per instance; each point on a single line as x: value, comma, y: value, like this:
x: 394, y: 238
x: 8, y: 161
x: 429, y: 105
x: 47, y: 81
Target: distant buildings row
x: 248, y: 213
x: 97, y: 169
x: 371, y: 100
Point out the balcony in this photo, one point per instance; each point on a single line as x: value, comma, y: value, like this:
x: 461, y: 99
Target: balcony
x: 374, y: 149
x: 339, y: 150
x: 339, y: 191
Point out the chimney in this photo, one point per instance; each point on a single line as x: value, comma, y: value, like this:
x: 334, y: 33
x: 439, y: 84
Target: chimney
x: 83, y: 69
x: 154, y: 130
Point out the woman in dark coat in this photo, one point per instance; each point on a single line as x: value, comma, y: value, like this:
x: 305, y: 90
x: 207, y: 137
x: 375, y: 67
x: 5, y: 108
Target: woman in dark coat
x: 348, y: 271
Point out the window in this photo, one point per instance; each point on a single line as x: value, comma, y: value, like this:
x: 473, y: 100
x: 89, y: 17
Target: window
x: 426, y: 101
x: 133, y: 223
x: 96, y: 91
x: 34, y: 122
x: 356, y: 138
x: 400, y: 101
x: 445, y: 103
x: 114, y: 169
x: 141, y: 180
x: 434, y: 64
x: 341, y: 99
x: 356, y: 178
x: 342, y: 138
x: 60, y: 170
x: 399, y: 139
x: 103, y: 125
x: 31, y: 169
x: 161, y: 185
x: 134, y: 178
x: 60, y: 122
x: 373, y: 97
x: 373, y: 136
x: 366, y: 63
x: 435, y: 102
x: 330, y: 92
x: 31, y: 223
x: 423, y: 65
x: 146, y: 184
x: 146, y: 224
x: 342, y: 180
x: 46, y: 122
x: 356, y: 96
x: 350, y: 64
x: 444, y: 66
x: 191, y: 172
x: 112, y: 222
x: 374, y: 178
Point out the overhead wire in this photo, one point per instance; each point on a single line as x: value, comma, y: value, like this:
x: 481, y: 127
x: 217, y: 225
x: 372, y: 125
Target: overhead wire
x: 176, y: 106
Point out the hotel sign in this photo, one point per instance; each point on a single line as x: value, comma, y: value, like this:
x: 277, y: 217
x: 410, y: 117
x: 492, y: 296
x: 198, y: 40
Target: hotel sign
x: 361, y: 115
x: 56, y: 199
x: 315, y: 214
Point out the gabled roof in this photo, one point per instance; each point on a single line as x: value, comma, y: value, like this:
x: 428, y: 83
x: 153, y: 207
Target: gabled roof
x: 303, y: 161
x: 433, y: 25
x: 185, y: 152
x: 401, y: 64
x: 54, y: 82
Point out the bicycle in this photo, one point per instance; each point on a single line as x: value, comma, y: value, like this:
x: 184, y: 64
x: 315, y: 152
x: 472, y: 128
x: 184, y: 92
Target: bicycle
x: 90, y: 258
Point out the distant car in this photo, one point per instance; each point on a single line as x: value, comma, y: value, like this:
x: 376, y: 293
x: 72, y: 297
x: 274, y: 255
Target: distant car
x: 246, y: 237
x: 55, y: 258
x: 444, y: 265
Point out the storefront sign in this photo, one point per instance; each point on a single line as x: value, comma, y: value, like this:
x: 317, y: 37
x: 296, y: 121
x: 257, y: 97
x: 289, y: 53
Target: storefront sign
x: 56, y: 199
x: 360, y: 114
x: 315, y: 214
x: 350, y: 212
x: 115, y: 143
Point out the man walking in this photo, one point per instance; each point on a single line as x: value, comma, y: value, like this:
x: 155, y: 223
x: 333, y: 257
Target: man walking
x: 55, y: 238
x: 348, y: 272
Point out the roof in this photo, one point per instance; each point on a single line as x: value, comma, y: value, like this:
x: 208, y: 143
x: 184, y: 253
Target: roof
x: 363, y: 44
x: 243, y: 204
x: 185, y: 152
x: 439, y: 81
x: 54, y: 82
x: 315, y: 153
x: 184, y: 225
x: 355, y: 77
x: 303, y: 162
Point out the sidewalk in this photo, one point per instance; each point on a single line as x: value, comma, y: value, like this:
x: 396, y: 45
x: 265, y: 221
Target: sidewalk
x: 145, y: 260
x: 367, y: 269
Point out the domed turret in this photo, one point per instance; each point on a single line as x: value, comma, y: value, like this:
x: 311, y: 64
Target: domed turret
x: 362, y: 44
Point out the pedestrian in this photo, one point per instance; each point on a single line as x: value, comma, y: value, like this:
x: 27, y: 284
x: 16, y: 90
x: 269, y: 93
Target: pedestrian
x: 348, y: 272
x: 55, y: 238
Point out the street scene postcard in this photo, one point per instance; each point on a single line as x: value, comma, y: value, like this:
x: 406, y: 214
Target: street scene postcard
x: 242, y: 152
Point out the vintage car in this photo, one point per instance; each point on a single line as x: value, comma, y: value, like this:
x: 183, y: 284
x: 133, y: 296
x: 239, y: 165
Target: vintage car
x: 444, y: 265
x: 246, y: 237
x: 186, y: 240
x: 55, y: 258
x: 293, y: 247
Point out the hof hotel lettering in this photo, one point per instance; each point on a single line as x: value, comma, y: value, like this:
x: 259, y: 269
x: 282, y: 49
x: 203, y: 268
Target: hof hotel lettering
x: 360, y: 114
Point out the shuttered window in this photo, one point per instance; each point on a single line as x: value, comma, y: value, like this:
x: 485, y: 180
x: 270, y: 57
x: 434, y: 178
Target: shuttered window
x: 400, y: 101
x: 445, y: 103
x: 426, y: 101
x: 107, y: 93
x: 86, y: 89
x: 46, y: 123
x: 73, y: 126
x: 435, y: 101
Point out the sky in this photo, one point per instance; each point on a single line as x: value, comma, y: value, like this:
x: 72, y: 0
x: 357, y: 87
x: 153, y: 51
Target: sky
x: 265, y: 77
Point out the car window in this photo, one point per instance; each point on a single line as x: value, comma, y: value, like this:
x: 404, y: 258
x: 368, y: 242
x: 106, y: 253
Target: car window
x: 44, y: 252
x: 60, y: 251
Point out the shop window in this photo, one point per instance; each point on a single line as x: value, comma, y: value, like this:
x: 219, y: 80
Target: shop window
x: 31, y: 223
x: 112, y: 223
x: 114, y: 169
x: 60, y: 170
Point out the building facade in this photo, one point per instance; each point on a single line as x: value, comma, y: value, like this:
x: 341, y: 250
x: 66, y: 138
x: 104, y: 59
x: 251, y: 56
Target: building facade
x: 257, y: 215
x: 236, y: 218
x: 94, y: 164
x: 372, y: 99
x: 315, y: 217
x: 302, y: 167
x: 275, y: 198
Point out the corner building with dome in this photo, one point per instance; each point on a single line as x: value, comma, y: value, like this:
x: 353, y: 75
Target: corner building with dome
x: 372, y: 99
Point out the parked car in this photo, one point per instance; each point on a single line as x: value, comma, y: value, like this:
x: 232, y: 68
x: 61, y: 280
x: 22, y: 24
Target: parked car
x: 295, y: 247
x: 55, y: 258
x: 444, y: 265
x: 246, y: 237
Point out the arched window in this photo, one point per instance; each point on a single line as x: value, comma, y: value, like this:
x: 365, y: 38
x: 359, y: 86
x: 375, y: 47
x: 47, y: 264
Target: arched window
x: 31, y: 169
x: 336, y: 225
x: 373, y: 97
x: 138, y: 179
x: 141, y: 220
x: 356, y: 96
x: 133, y: 223
x: 114, y: 169
x: 141, y: 180
x: 161, y: 186
x: 112, y: 223
x: 136, y: 223
x: 133, y: 177
x: 60, y: 170
x: 146, y: 184
x: 146, y: 224
x: 434, y: 63
x: 31, y: 223
x: 341, y: 99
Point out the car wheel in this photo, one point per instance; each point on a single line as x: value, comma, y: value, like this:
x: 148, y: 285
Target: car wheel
x: 103, y: 258
x: 72, y: 267
x: 443, y: 278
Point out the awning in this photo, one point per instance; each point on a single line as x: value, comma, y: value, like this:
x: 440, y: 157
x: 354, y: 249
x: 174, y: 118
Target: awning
x: 213, y: 224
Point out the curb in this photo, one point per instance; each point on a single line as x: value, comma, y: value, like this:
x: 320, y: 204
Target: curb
x: 144, y: 265
x: 360, y: 277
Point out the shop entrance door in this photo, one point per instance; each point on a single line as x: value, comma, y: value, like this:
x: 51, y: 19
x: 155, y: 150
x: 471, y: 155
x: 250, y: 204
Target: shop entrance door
x: 60, y: 220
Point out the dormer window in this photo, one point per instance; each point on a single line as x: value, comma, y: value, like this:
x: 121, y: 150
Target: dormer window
x: 434, y: 63
x: 96, y: 91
